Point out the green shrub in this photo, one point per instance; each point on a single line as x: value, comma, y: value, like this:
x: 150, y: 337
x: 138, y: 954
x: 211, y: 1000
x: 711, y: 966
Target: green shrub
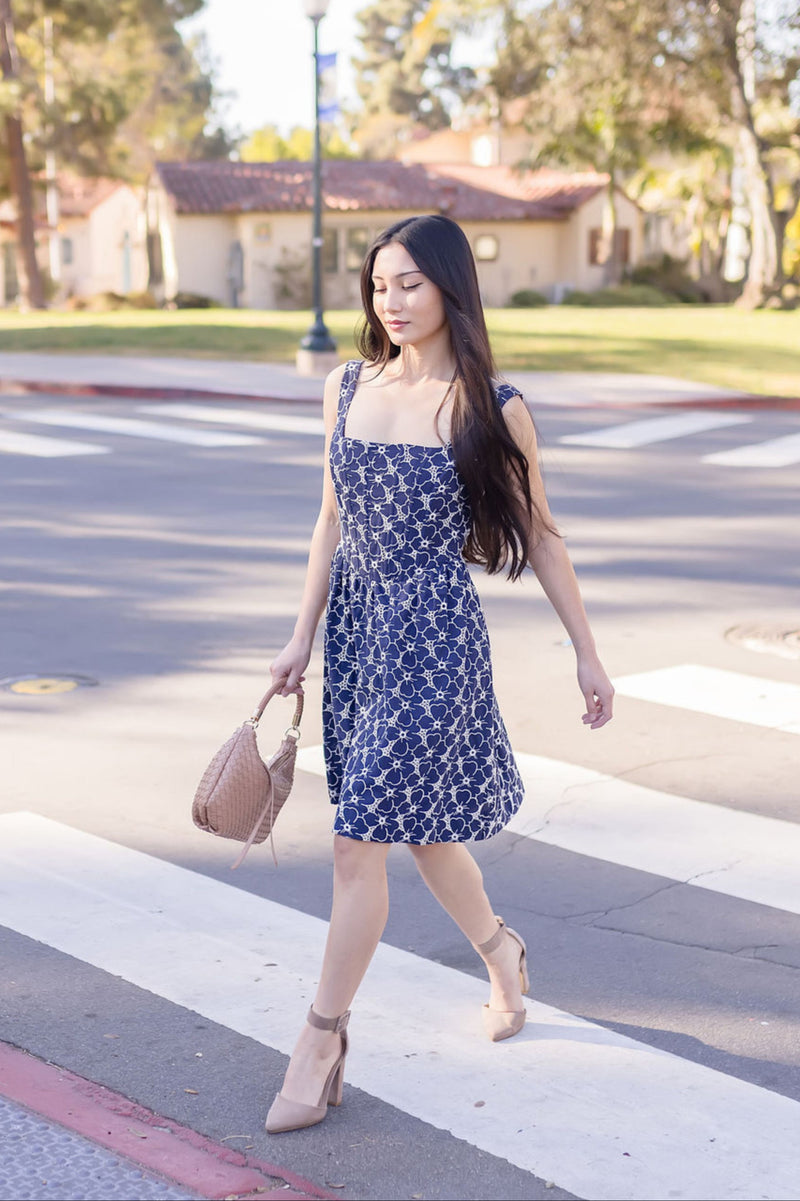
x: 142, y: 300
x: 192, y: 300
x: 111, y: 302
x: 669, y: 275
x: 527, y: 298
x: 638, y: 295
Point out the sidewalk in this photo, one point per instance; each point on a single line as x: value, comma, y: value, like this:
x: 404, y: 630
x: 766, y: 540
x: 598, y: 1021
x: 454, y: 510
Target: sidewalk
x: 64, y: 1138
x: 182, y: 379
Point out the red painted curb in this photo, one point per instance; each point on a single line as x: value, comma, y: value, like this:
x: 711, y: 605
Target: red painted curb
x: 151, y: 392
x: 145, y: 392
x: 151, y: 1141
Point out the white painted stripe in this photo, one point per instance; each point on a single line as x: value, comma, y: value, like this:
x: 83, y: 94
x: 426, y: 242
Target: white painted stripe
x: 279, y: 422
x: 132, y: 427
x: 46, y: 448
x: 750, y: 699
x: 737, y: 854
x: 778, y: 452
x: 602, y: 1115
x: 654, y: 429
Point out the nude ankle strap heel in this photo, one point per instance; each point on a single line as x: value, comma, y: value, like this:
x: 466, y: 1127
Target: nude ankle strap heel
x: 285, y: 1115
x: 500, y: 1024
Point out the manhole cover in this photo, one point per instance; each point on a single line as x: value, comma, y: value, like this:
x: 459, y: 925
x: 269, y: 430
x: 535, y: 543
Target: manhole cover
x: 771, y: 640
x: 44, y: 685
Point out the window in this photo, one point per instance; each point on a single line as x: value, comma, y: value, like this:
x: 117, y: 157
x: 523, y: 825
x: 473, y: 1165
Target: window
x: 67, y: 252
x: 155, y: 258
x: 486, y: 248
x: 356, y: 247
x: 622, y: 244
x: 330, y: 251
x: 263, y: 231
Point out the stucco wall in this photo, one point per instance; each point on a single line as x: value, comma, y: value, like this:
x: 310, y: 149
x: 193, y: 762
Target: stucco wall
x: 577, y: 271
x: 527, y: 256
x: 98, y: 247
x: 548, y: 256
x: 201, y: 247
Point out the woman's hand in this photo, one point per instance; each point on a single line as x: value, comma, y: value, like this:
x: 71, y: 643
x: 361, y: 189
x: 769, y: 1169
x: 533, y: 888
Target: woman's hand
x: 598, y: 692
x: 290, y: 664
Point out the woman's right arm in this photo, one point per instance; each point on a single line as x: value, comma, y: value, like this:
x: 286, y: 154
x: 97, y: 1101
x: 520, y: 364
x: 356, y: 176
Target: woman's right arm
x: 293, y: 659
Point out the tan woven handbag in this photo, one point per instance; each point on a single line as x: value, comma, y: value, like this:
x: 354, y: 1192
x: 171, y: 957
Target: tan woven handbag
x: 240, y: 796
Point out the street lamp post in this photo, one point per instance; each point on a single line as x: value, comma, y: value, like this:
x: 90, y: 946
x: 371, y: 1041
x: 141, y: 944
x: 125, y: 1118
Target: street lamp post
x: 317, y: 353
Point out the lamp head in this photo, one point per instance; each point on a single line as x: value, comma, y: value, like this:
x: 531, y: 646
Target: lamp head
x: 316, y: 9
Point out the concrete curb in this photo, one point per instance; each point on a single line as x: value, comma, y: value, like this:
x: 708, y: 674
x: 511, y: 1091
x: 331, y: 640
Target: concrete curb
x: 153, y: 1142
x: 143, y: 392
x: 170, y: 392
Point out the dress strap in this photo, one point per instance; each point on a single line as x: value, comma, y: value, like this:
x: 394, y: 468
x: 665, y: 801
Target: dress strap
x: 504, y: 392
x: 352, y: 370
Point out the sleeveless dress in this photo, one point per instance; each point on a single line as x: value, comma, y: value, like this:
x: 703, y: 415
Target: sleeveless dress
x: 415, y: 748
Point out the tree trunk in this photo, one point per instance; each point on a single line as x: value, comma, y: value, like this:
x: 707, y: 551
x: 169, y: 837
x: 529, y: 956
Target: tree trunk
x: 609, y: 250
x: 30, y: 279
x: 764, y: 266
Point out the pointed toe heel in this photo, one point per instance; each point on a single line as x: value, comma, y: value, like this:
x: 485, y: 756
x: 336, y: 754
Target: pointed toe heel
x: 284, y: 1114
x: 499, y: 1023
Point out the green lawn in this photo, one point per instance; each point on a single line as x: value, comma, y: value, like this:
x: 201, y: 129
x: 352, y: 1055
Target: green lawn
x: 753, y: 352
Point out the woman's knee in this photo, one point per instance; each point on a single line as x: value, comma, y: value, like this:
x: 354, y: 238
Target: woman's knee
x: 355, y: 860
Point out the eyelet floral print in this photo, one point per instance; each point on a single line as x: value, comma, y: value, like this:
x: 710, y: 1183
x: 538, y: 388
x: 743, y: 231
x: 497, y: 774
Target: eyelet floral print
x: 415, y: 747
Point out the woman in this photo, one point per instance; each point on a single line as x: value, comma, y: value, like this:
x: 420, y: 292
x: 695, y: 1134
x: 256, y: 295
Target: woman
x: 429, y: 464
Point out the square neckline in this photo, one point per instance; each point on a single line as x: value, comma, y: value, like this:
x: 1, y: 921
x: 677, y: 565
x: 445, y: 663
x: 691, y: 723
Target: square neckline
x: 446, y: 446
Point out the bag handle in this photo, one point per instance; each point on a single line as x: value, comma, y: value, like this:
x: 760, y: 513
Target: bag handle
x: 258, y: 712
x: 292, y: 731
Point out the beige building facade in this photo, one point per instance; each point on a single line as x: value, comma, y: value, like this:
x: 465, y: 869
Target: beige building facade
x: 102, y: 240
x: 240, y: 234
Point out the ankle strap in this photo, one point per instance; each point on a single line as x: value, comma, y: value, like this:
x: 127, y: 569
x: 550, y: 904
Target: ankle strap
x: 338, y: 1024
x: 491, y: 944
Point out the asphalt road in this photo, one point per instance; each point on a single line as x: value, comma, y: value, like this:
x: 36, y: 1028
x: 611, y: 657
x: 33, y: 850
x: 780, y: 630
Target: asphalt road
x: 169, y: 573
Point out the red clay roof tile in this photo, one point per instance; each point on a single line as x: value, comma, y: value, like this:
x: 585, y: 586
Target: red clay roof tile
x: 464, y: 192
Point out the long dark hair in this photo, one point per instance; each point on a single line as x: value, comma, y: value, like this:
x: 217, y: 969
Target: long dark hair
x: 506, y: 523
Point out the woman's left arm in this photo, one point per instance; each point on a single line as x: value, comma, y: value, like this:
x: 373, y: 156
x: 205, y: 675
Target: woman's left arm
x: 553, y: 567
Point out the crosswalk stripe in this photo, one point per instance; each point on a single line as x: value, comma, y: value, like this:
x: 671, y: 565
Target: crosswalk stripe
x: 279, y: 422
x: 133, y: 427
x: 654, y: 429
x: 598, y: 1113
x: 45, y: 448
x: 777, y: 452
x: 737, y: 854
x: 710, y: 690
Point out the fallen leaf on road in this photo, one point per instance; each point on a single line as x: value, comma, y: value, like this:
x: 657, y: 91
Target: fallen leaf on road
x: 330, y: 1184
x: 193, y: 1091
x: 478, y: 1104
x: 138, y: 1133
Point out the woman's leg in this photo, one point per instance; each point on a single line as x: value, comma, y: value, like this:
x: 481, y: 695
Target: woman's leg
x: 358, y: 916
x: 456, y: 881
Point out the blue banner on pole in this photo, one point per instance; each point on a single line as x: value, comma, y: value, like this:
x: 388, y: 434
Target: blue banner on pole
x: 326, y: 73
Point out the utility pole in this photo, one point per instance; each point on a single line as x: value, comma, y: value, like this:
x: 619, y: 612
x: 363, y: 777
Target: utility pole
x: 30, y: 279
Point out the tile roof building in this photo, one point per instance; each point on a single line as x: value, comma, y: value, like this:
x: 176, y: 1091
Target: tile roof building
x: 240, y: 232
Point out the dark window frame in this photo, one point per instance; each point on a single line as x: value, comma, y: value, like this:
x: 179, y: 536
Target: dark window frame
x: 622, y: 243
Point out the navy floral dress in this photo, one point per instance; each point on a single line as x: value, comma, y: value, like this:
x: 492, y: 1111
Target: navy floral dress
x: 415, y: 748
